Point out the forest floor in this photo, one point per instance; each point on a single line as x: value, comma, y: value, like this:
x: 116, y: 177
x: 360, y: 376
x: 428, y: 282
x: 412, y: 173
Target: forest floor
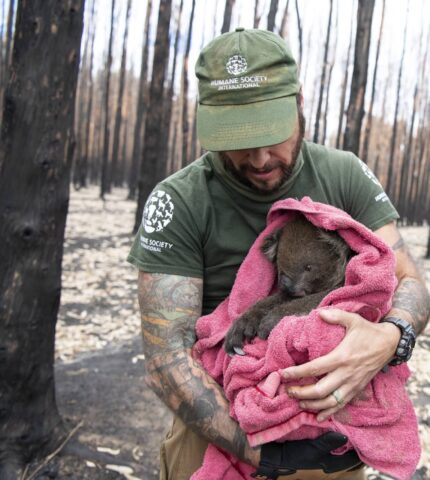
x: 99, y: 358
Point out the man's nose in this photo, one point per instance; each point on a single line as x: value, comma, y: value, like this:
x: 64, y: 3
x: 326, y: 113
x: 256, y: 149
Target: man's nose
x: 258, y: 157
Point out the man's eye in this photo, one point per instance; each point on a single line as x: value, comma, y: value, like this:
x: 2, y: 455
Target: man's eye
x: 308, y: 268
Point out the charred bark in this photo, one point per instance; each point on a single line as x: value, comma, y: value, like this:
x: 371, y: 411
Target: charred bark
x: 229, y: 4
x: 330, y: 71
x: 257, y: 16
x: 141, y: 107
x: 323, y: 76
x: 153, y: 167
x: 282, y: 29
x: 355, y: 112
x: 365, y: 149
x: 114, y: 177
x: 185, y: 119
x: 300, y: 34
x: 104, y: 184
x: 36, y: 146
x: 391, y: 157
x: 83, y: 167
x: 344, y: 87
x: 271, y: 17
x: 168, y: 104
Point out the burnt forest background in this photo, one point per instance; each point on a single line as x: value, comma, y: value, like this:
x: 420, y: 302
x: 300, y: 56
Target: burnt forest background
x: 100, y: 96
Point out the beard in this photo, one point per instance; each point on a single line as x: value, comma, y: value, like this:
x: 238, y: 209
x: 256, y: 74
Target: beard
x: 242, y: 173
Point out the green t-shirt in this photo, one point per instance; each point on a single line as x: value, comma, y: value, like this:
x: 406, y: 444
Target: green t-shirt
x: 201, y: 221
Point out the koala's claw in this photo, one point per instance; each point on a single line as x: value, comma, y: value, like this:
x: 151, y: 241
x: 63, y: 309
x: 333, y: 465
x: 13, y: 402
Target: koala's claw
x: 234, y: 339
x: 239, y: 351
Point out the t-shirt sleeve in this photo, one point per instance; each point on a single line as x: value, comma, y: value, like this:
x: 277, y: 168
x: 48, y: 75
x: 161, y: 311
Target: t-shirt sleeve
x: 168, y: 240
x: 364, y: 196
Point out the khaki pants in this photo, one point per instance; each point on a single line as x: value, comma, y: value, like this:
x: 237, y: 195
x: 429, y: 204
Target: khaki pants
x: 182, y: 453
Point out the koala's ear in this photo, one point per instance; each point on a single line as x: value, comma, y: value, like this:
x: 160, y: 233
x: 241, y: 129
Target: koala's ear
x: 338, y: 245
x: 270, y: 245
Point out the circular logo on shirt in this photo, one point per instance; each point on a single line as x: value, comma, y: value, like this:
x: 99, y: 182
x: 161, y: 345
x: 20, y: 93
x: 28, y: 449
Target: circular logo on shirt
x: 236, y: 65
x: 158, y: 212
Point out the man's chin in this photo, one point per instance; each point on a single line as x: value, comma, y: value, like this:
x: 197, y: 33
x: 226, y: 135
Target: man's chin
x: 265, y: 188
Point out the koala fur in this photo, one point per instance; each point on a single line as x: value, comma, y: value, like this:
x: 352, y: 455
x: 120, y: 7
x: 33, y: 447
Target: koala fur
x: 310, y: 263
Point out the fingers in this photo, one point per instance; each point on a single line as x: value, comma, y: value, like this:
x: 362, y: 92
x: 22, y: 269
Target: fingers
x: 339, y: 317
x: 315, y: 368
x: 326, y: 406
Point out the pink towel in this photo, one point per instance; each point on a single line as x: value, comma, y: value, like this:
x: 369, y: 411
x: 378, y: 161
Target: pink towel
x: 380, y: 424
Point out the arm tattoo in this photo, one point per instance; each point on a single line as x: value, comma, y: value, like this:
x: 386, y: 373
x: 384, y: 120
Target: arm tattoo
x: 170, y: 306
x: 411, y: 300
x: 412, y: 297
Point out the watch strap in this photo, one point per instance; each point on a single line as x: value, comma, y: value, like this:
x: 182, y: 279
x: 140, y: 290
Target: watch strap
x: 407, y: 340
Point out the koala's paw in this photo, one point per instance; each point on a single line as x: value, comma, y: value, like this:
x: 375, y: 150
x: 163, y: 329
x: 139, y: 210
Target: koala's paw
x: 267, y: 324
x: 245, y: 327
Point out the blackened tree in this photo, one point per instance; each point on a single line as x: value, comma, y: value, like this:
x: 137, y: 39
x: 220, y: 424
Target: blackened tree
x: 36, y: 146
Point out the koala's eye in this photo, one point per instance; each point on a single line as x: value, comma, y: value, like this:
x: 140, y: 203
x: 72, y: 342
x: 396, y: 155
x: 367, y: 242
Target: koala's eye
x: 308, y: 268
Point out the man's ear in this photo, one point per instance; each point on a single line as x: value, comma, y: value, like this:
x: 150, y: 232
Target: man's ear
x: 270, y: 245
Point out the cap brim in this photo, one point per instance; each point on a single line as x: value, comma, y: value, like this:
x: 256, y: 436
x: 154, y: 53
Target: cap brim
x: 252, y: 125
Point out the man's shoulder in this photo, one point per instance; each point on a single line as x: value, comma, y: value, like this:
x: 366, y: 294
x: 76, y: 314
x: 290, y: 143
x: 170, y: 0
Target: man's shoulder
x: 329, y: 155
x: 195, y: 175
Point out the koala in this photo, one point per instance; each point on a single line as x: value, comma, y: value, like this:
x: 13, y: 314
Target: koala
x: 310, y: 263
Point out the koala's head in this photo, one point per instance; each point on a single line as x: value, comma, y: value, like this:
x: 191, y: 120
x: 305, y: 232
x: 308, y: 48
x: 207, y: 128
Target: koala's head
x: 308, y: 259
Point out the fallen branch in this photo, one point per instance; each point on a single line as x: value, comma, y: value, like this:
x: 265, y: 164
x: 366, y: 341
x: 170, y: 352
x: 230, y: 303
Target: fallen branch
x: 51, y: 455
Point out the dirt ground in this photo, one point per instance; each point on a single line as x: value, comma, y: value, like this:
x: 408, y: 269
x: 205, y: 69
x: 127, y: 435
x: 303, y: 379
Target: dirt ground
x: 100, y: 363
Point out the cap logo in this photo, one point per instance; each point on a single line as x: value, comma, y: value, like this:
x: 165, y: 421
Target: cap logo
x: 236, y: 65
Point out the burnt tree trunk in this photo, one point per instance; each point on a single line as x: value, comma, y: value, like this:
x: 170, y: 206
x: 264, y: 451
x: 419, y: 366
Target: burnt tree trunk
x: 104, y: 184
x: 428, y: 246
x: 36, y: 146
x: 282, y: 29
x: 5, y: 64
x: 271, y: 17
x: 82, y: 102
x: 9, y: 36
x: 391, y: 156
x: 114, y: 177
x: 323, y: 76
x: 300, y: 34
x: 365, y: 149
x: 152, y: 166
x: 257, y: 16
x: 355, y: 112
x: 168, y: 123
x: 141, y: 103
x: 330, y: 71
x: 229, y: 4
x: 83, y: 167
x: 344, y: 88
x: 185, y: 119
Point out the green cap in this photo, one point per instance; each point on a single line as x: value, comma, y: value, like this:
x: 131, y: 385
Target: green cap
x: 247, y: 91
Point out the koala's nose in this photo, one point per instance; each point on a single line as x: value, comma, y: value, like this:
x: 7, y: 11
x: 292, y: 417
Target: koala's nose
x: 286, y: 284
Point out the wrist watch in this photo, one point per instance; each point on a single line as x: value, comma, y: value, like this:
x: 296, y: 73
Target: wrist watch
x: 406, y: 342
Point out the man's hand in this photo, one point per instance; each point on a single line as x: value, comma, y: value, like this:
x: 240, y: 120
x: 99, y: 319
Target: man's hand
x: 366, y: 347
x: 364, y: 351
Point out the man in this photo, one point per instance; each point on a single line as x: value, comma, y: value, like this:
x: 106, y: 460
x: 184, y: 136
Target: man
x: 199, y: 224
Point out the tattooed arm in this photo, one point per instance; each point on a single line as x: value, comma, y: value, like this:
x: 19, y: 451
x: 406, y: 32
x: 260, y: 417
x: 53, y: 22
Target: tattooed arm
x: 366, y: 347
x: 411, y: 301
x: 170, y: 306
